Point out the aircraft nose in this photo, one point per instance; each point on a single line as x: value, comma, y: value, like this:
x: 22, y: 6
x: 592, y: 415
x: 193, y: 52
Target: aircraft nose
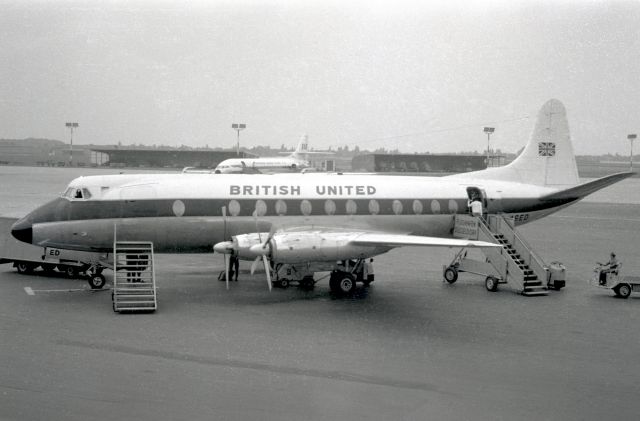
x: 23, y: 231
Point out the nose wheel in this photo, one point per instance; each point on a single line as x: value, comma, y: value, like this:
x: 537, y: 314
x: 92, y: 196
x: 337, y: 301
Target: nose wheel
x: 450, y: 274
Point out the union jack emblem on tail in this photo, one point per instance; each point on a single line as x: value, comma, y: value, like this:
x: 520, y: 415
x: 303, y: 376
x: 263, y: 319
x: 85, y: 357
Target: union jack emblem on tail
x: 546, y: 149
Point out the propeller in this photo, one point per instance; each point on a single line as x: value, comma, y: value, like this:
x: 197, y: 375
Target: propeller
x: 262, y: 252
x: 227, y: 247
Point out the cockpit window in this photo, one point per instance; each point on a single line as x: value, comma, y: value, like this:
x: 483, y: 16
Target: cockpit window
x: 77, y: 193
x: 69, y: 193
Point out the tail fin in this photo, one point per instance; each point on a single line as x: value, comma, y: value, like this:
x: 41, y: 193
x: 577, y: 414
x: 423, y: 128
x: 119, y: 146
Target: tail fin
x: 548, y: 158
x: 303, y: 146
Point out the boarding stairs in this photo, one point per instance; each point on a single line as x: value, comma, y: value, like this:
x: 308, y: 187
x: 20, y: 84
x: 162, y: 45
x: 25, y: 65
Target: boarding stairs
x: 134, y: 284
x: 515, y: 262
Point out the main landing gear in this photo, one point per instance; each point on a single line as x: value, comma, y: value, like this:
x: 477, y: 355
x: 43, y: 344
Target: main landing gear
x: 342, y: 283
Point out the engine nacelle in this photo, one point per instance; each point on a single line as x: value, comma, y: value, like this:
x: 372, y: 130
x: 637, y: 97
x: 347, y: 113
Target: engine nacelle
x: 317, y: 246
x: 242, y: 243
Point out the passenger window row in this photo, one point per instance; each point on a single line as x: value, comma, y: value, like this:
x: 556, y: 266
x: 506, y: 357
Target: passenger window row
x: 348, y: 207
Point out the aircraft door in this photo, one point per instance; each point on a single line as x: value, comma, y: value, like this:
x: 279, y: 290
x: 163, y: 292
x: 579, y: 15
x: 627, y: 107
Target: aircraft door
x: 138, y: 201
x: 477, y: 204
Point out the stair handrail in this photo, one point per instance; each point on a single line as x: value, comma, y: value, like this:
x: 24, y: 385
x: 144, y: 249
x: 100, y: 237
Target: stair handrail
x: 511, y: 268
x: 535, y: 262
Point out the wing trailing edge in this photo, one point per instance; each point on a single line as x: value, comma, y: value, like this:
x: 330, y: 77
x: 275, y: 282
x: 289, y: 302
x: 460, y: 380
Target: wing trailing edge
x: 397, y: 240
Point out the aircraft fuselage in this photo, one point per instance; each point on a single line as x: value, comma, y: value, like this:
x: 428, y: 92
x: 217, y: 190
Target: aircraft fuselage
x: 184, y: 212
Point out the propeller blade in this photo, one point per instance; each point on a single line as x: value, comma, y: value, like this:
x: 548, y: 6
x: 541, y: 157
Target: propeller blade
x: 222, y: 247
x: 272, y: 231
x: 224, y: 222
x: 254, y: 265
x: 255, y: 219
x: 267, y: 269
x: 226, y: 270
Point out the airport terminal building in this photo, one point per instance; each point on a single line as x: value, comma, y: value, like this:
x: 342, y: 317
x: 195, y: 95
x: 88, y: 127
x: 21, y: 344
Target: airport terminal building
x: 54, y: 153
x: 418, y: 163
x: 116, y: 156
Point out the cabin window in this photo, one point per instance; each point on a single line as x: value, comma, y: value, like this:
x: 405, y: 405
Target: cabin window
x: 351, y: 207
x: 305, y: 207
x: 330, y: 207
x: 234, y: 208
x: 453, y: 206
x: 435, y: 206
x: 374, y: 207
x: 178, y: 208
x: 261, y: 208
x: 86, y: 193
x: 397, y: 207
x: 417, y: 207
x: 281, y: 207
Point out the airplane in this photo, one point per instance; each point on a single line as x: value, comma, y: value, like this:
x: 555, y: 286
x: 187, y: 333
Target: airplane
x: 311, y: 220
x: 294, y: 162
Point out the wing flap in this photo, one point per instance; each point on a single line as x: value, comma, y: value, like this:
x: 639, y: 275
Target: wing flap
x: 397, y: 240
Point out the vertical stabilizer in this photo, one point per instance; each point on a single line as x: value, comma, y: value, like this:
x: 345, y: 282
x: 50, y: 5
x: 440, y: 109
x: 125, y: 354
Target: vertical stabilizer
x: 548, y: 158
x: 302, y: 148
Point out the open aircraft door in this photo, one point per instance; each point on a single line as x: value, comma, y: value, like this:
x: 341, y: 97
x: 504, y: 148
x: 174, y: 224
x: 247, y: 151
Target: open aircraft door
x: 491, y: 201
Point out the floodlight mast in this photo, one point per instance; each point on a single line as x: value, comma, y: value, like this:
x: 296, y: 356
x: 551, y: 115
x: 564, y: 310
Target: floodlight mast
x: 71, y: 126
x: 237, y: 127
x: 488, y: 131
x: 631, y: 138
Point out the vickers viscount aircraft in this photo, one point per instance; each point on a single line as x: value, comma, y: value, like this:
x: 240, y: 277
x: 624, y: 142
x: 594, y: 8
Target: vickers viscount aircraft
x: 310, y: 220
x: 294, y: 162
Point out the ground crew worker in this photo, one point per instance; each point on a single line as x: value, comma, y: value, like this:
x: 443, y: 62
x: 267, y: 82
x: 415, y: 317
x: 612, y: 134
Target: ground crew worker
x: 475, y: 204
x: 234, y: 266
x: 367, y: 272
x: 610, y: 267
x: 476, y: 207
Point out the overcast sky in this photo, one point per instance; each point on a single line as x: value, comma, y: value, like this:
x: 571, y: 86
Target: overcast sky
x: 420, y: 77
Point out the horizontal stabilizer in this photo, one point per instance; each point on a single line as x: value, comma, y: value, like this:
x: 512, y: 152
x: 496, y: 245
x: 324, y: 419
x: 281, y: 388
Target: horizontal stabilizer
x: 582, y: 190
x: 397, y: 240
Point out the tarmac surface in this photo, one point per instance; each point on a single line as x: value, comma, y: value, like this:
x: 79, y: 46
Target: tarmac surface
x: 410, y: 347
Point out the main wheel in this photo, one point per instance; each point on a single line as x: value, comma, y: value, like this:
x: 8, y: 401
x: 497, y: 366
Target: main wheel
x: 623, y: 290
x: 491, y: 284
x: 342, y: 283
x: 70, y: 271
x: 450, y: 274
x: 96, y: 281
x: 283, y: 283
x: 24, y: 267
x: 307, y: 283
x: 48, y: 268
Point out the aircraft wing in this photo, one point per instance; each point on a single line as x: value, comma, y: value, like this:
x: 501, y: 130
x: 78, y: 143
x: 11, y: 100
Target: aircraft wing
x: 397, y: 240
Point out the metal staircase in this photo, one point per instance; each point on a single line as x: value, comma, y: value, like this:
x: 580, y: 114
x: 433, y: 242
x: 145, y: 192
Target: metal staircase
x: 134, y: 284
x: 515, y: 262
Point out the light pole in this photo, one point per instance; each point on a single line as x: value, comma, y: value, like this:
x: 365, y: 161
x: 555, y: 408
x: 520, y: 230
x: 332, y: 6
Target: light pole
x: 71, y: 126
x: 237, y: 127
x: 488, y: 131
x: 631, y: 138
